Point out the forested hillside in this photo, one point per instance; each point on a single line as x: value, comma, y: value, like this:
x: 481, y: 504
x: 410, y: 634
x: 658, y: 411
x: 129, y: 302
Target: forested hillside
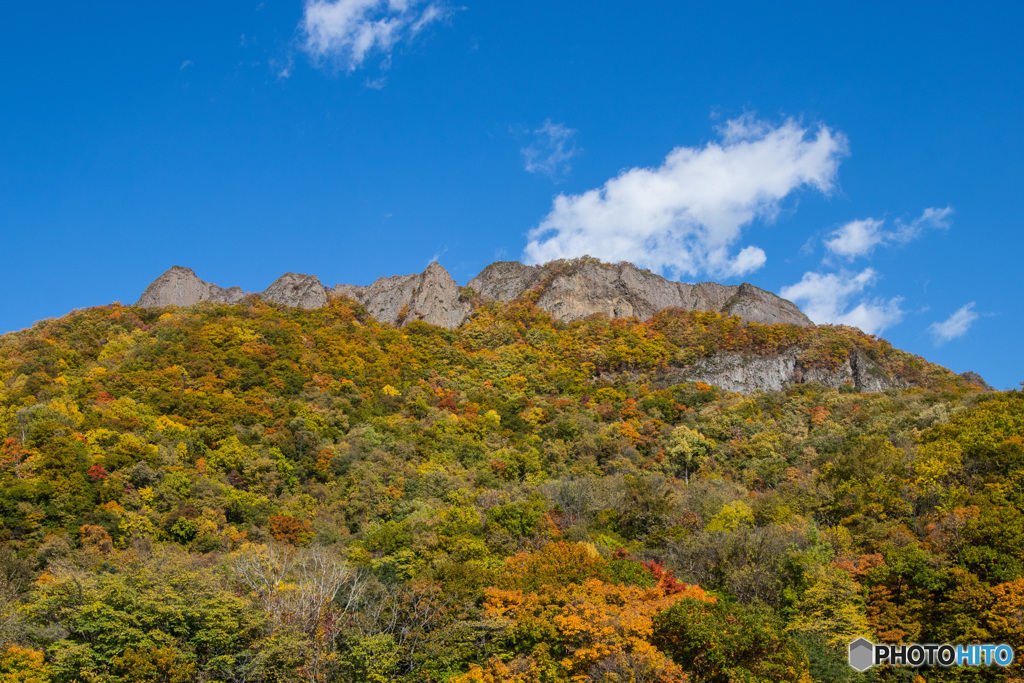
x: 258, y: 493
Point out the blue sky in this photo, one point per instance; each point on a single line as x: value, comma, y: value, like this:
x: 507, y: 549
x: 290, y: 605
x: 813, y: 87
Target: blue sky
x: 864, y: 159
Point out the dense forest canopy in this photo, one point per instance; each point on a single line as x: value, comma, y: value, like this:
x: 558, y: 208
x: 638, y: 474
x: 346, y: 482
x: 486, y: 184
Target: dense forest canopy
x: 256, y: 493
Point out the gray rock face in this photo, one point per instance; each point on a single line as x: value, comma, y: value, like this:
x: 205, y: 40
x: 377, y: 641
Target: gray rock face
x: 505, y: 280
x: 738, y: 372
x: 756, y: 305
x: 181, y: 287
x: 295, y: 289
x: 623, y: 290
x: 568, y: 291
x: 431, y: 296
x: 734, y: 372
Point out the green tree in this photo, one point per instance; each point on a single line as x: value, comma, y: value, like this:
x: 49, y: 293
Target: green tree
x: 719, y: 642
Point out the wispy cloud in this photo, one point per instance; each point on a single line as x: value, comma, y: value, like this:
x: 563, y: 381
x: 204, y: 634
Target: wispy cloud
x: 859, y: 238
x: 345, y: 33
x: 282, y: 67
x: 437, y: 256
x: 955, y: 325
x: 187, y: 63
x: 838, y: 297
x: 856, y: 238
x: 829, y: 298
x: 930, y: 218
x: 551, y: 149
x: 687, y: 215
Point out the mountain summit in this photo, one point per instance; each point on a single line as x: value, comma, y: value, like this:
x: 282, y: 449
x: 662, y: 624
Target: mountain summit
x: 568, y: 290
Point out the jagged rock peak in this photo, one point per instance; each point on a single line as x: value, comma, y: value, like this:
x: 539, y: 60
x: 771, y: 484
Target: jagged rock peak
x: 571, y: 290
x: 180, y: 286
x: 976, y: 379
x: 568, y: 290
x: 431, y: 296
x: 298, y: 290
x: 758, y: 305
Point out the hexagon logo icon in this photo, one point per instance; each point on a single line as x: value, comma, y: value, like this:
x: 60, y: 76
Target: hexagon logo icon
x: 861, y: 654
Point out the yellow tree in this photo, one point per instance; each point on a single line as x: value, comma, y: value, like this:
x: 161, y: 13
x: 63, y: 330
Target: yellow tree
x: 831, y: 608
x: 22, y: 665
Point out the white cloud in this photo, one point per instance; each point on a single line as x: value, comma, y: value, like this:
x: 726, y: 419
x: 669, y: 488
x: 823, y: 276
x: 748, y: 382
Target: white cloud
x: 826, y: 298
x: 747, y: 261
x: 829, y: 298
x: 347, y: 32
x: 859, y: 238
x: 955, y: 325
x: 551, y: 149
x: 856, y: 238
x: 686, y: 215
x: 930, y: 218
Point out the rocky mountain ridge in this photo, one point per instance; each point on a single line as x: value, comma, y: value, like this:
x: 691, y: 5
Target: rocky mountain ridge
x: 568, y: 290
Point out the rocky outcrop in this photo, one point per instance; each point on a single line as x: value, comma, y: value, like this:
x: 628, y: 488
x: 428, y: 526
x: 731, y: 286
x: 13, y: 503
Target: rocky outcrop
x: 575, y: 290
x: 180, y: 286
x: 745, y: 373
x: 568, y: 290
x: 976, y: 379
x: 754, y: 304
x: 505, y: 280
x: 297, y: 290
x: 431, y: 296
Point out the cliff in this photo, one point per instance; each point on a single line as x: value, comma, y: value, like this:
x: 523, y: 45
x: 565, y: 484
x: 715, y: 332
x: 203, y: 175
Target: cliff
x: 746, y: 372
x: 568, y: 290
x: 572, y: 290
x: 431, y: 296
x: 181, y: 287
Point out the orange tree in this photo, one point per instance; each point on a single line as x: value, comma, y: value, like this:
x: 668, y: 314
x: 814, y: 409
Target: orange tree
x: 562, y: 623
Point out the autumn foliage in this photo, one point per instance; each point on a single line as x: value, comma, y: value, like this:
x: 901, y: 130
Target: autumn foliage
x: 256, y: 493
x: 566, y: 622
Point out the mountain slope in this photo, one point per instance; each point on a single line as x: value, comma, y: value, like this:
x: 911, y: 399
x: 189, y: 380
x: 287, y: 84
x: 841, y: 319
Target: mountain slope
x: 267, y: 492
